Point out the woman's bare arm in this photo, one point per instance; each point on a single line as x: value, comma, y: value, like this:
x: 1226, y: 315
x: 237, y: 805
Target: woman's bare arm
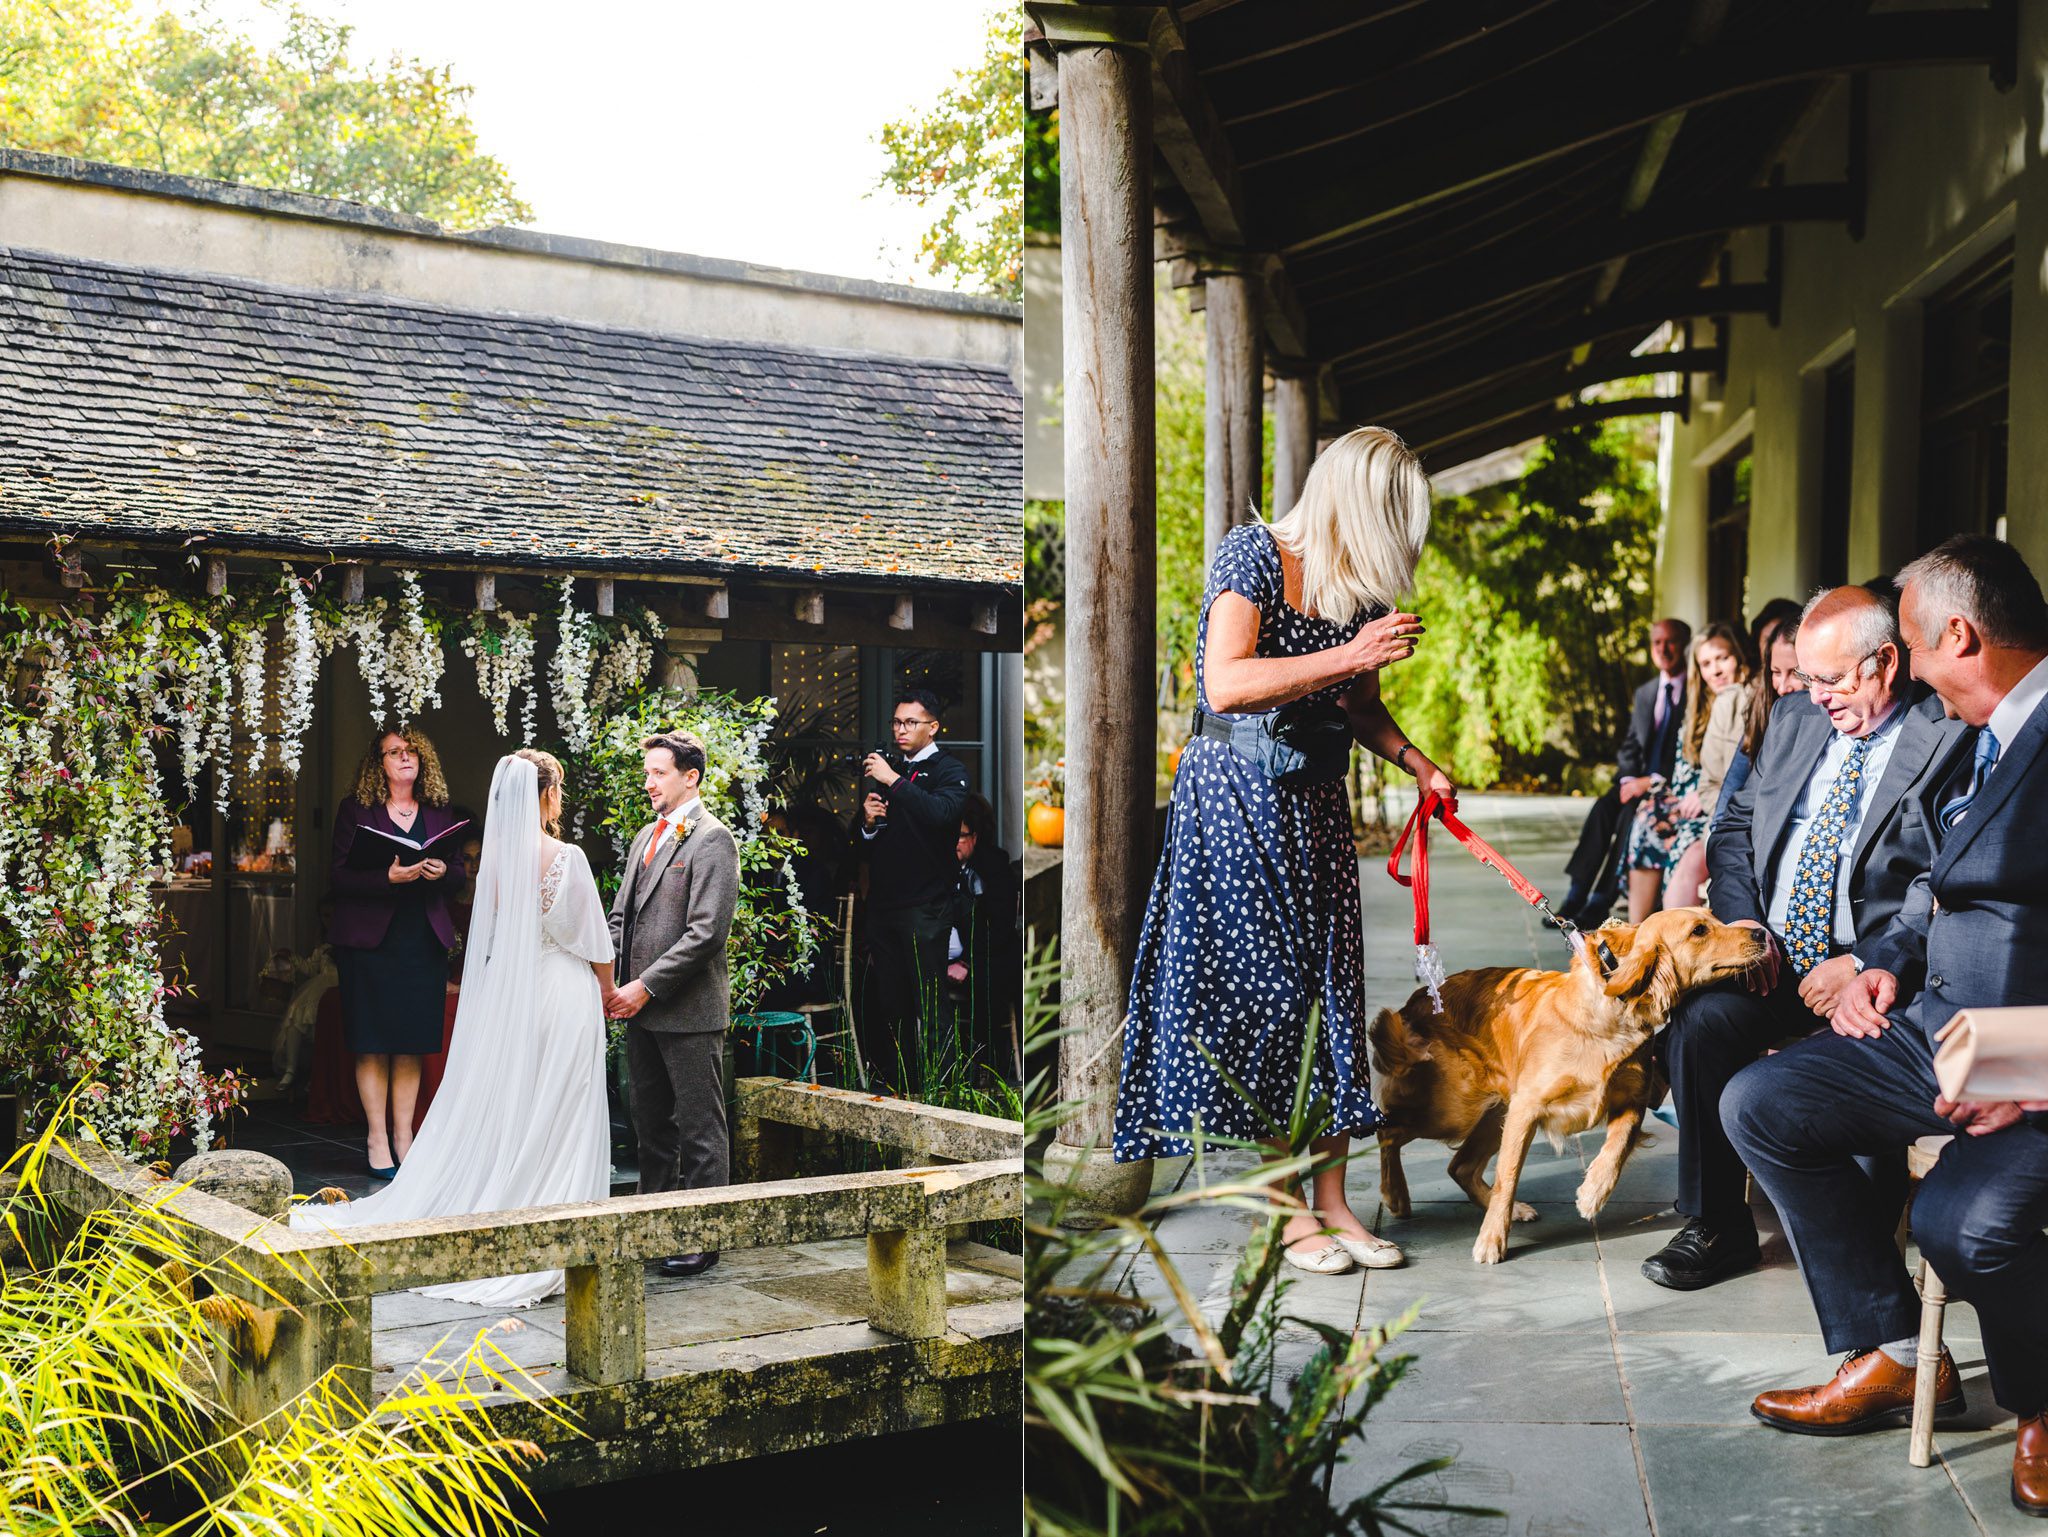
x: 1374, y: 728
x: 1240, y: 682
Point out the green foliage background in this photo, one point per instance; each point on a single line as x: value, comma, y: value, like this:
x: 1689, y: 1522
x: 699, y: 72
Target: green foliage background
x: 189, y: 95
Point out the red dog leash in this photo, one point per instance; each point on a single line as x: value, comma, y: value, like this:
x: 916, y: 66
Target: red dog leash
x: 1428, y: 966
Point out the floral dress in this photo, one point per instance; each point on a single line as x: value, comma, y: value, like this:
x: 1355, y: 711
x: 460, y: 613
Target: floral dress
x: 1253, y: 923
x: 1661, y: 835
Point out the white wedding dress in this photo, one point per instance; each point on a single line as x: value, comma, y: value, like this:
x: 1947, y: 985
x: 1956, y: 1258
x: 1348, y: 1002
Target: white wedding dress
x: 520, y: 1117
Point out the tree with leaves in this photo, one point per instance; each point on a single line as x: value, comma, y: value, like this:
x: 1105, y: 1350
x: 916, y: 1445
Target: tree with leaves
x: 188, y: 95
x: 962, y: 159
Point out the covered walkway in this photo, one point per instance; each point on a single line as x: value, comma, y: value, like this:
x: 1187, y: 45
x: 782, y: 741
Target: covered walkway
x: 1577, y: 1397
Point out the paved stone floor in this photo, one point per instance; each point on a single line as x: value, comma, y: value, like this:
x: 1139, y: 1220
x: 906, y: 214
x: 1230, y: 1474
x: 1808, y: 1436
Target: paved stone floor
x: 1577, y: 1397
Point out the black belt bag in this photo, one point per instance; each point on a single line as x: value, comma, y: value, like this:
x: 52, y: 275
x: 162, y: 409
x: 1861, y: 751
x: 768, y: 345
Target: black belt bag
x: 1297, y: 745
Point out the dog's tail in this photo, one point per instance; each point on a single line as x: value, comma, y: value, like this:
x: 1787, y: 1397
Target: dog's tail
x: 1395, y: 1048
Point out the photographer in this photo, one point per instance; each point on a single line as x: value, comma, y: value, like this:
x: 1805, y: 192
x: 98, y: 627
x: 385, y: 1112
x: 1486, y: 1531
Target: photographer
x: 910, y: 825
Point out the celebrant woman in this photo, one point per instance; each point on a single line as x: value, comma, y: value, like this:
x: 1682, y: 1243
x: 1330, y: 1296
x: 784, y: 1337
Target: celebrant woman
x: 1253, y: 925
x: 392, y: 931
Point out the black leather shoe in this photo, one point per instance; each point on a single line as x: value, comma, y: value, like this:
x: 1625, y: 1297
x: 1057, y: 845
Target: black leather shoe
x: 688, y: 1264
x: 1700, y: 1256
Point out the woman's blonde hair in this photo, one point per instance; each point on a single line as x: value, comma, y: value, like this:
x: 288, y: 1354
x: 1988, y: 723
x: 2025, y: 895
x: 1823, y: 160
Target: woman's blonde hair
x: 1698, y: 701
x: 548, y: 769
x: 373, y: 789
x: 1359, y: 526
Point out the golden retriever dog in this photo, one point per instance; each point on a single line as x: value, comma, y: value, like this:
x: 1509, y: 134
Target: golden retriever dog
x: 1518, y: 1050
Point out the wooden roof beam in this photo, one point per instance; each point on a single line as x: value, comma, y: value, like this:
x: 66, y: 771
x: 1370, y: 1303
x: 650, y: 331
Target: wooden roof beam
x: 1516, y: 399
x: 1373, y: 316
x: 1440, y: 153
x: 1464, y: 448
x: 1389, y: 396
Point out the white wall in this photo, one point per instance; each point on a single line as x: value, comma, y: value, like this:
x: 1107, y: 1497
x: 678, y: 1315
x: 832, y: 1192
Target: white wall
x: 1955, y: 169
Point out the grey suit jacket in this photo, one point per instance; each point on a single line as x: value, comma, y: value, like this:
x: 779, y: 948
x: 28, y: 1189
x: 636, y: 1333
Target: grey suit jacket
x: 1637, y: 754
x: 1978, y: 919
x: 670, y: 921
x: 1894, y: 844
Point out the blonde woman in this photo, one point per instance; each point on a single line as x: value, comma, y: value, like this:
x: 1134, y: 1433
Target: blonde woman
x: 392, y: 931
x: 1253, y: 925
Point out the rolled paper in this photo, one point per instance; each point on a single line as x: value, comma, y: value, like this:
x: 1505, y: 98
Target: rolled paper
x: 1993, y: 1054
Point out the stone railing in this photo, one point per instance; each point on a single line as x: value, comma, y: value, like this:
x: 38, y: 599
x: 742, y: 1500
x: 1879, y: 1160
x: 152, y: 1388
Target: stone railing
x: 309, y: 1293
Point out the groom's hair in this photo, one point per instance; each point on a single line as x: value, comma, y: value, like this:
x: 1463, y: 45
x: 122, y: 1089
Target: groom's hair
x: 684, y: 748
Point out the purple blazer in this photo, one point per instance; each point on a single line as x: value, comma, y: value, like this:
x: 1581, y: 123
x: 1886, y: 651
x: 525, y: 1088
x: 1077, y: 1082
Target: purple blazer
x: 364, y: 899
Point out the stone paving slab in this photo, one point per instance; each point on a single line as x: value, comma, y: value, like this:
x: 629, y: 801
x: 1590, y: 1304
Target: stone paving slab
x: 1579, y: 1397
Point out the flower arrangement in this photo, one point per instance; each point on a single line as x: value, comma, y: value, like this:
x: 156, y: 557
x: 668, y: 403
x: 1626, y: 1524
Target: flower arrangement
x: 1048, y: 786
x: 413, y: 659
x: 570, y: 669
x: 301, y: 672
x: 502, y: 647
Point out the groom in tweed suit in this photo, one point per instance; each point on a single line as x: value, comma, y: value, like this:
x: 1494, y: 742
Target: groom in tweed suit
x: 669, y: 924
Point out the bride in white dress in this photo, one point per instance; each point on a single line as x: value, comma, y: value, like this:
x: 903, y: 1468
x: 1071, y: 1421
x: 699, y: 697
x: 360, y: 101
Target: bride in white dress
x: 520, y: 1117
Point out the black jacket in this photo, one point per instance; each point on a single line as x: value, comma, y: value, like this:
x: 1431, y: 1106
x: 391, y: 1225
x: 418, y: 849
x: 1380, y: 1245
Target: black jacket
x: 913, y: 857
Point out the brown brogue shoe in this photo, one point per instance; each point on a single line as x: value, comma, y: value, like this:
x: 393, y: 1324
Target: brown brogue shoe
x: 1870, y: 1391
x: 2030, y: 1467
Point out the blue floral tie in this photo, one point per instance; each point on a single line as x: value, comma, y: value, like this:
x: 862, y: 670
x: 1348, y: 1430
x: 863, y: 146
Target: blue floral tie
x: 1810, y: 920
x: 1987, y: 755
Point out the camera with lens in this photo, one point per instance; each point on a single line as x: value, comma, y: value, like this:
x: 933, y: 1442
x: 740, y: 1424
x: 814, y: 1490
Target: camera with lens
x: 869, y: 785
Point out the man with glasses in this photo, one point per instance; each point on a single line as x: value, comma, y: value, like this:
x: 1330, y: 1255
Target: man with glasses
x: 1817, y: 850
x: 910, y: 825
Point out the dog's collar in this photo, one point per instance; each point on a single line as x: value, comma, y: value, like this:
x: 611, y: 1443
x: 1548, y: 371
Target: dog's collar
x: 1605, y: 958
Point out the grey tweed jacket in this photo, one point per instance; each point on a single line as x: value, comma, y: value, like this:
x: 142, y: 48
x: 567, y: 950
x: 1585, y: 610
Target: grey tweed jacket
x: 670, y: 921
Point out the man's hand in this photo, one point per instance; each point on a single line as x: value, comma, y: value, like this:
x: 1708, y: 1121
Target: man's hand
x: 1763, y: 976
x: 874, y: 809
x: 876, y: 767
x: 1821, y: 988
x: 1978, y: 1119
x: 1861, y: 1006
x: 627, y: 1001
x: 1634, y: 786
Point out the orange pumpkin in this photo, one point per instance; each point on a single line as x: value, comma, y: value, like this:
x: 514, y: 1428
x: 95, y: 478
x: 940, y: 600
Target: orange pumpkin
x: 1047, y: 826
x: 1173, y: 763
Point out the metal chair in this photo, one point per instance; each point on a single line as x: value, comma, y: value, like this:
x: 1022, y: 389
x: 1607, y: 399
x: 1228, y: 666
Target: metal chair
x: 814, y: 1013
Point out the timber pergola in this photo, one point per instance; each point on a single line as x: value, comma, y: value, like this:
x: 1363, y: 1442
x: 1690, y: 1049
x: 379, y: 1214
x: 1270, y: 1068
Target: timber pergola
x: 1451, y: 220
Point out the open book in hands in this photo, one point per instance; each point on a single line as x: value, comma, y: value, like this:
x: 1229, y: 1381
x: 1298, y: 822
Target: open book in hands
x: 374, y: 849
x: 1988, y: 1055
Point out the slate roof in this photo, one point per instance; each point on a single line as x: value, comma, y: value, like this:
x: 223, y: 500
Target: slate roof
x: 154, y: 406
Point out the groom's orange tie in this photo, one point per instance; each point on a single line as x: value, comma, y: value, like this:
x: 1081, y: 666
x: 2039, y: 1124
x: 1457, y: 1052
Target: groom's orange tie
x: 660, y: 832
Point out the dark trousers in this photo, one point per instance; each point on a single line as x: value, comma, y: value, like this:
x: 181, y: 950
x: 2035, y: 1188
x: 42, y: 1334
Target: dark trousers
x: 1595, y: 865
x: 906, y: 1021
x: 1800, y: 1118
x: 679, y: 1108
x: 1710, y: 1037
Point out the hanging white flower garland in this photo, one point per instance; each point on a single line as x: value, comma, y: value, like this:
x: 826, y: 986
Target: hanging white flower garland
x: 503, y: 653
x: 301, y: 674
x: 414, y: 661
x: 569, y: 671
x: 249, y: 679
x: 360, y: 628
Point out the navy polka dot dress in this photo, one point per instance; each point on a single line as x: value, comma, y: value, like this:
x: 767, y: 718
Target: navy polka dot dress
x: 1253, y: 920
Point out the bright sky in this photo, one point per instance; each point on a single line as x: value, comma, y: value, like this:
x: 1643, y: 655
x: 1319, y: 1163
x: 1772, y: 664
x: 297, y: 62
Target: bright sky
x: 741, y: 131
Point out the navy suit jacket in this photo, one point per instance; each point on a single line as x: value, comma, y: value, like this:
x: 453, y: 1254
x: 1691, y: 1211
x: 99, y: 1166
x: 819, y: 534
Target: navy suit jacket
x: 1978, y: 919
x: 1894, y: 844
x: 1640, y: 752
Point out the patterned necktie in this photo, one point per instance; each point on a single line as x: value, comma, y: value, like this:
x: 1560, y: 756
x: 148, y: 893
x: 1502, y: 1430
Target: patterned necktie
x: 1810, y: 920
x: 1981, y: 764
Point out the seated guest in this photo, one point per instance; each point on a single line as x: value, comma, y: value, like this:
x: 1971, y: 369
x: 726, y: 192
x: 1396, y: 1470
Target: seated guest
x: 1777, y: 677
x: 1771, y: 621
x: 984, y: 951
x: 1716, y: 725
x: 1972, y: 933
x: 1818, y: 850
x: 1648, y: 748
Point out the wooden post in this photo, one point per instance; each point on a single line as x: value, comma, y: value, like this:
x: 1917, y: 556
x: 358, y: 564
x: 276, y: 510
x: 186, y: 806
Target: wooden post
x: 216, y: 575
x: 486, y: 592
x: 718, y: 602
x: 982, y: 618
x: 907, y: 1283
x: 607, y: 597
x: 605, y: 1322
x: 1294, y: 437
x: 71, y: 570
x: 1233, y: 443
x: 903, y: 615
x: 809, y: 607
x: 352, y: 582
x: 1105, y: 85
